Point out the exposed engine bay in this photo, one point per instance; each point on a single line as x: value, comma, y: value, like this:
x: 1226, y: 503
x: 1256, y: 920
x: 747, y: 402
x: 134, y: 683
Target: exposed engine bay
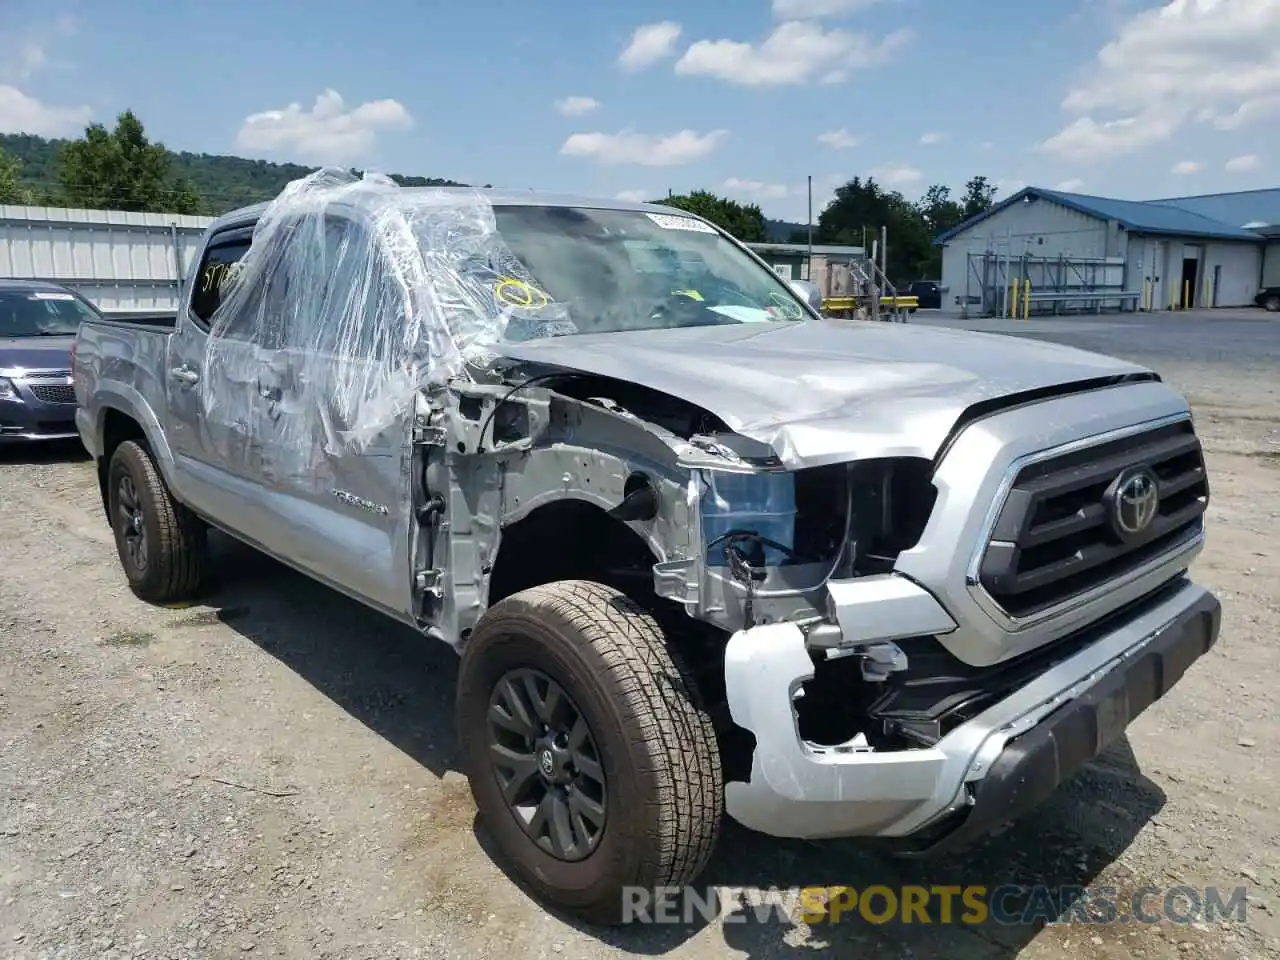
x: 734, y: 539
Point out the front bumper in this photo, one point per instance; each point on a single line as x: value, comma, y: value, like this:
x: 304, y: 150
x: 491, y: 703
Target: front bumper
x: 29, y: 418
x: 980, y: 775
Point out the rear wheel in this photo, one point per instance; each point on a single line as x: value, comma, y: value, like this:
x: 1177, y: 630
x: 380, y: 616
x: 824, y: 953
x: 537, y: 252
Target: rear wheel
x: 161, y: 544
x: 1272, y: 303
x: 591, y: 759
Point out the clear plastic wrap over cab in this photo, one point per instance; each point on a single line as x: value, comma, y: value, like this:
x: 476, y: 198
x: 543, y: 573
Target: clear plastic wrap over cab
x: 355, y: 294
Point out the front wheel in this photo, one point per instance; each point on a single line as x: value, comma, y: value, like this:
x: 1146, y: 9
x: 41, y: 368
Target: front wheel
x: 160, y: 543
x: 1272, y: 303
x: 591, y: 758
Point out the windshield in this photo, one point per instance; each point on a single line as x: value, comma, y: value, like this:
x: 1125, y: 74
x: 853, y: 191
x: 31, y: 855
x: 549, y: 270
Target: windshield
x: 607, y: 271
x: 41, y: 313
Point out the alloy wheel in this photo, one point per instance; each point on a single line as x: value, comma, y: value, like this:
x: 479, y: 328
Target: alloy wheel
x: 547, y: 765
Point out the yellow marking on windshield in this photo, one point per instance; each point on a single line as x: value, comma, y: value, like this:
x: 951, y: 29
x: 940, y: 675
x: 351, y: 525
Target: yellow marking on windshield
x: 518, y: 293
x: 691, y: 294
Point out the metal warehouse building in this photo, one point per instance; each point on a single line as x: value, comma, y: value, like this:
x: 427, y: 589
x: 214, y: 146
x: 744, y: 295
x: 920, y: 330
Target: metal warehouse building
x: 1051, y: 251
x: 120, y: 261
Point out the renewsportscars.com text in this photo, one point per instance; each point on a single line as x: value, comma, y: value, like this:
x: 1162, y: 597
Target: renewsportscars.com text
x: 1008, y: 904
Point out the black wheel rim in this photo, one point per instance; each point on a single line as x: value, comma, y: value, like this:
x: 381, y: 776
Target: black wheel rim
x: 547, y: 765
x: 129, y: 522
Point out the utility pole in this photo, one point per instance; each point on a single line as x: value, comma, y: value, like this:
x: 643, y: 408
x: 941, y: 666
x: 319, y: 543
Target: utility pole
x: 809, y: 267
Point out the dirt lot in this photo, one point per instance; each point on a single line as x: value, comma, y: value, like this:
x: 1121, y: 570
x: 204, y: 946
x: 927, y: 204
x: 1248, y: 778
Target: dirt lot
x: 273, y: 773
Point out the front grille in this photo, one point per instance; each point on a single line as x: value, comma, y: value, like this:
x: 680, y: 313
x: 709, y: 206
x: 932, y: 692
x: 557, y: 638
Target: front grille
x: 1057, y: 535
x: 53, y: 392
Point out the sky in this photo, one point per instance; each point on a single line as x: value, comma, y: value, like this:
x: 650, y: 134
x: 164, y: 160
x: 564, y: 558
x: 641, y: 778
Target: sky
x: 1119, y: 98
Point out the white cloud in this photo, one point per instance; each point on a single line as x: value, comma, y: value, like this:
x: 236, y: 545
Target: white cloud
x: 1086, y: 139
x: 646, y: 150
x: 1190, y: 61
x: 328, y: 132
x: 21, y: 113
x: 1245, y: 164
x: 929, y: 139
x: 817, y: 9
x: 1074, y: 185
x: 649, y: 44
x: 755, y: 188
x: 577, y: 106
x: 840, y: 139
x: 635, y: 196
x: 897, y: 175
x: 1185, y: 167
x: 795, y: 52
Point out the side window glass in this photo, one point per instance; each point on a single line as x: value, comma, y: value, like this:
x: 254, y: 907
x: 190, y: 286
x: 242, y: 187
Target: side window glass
x: 272, y: 311
x: 217, y: 267
x: 361, y: 305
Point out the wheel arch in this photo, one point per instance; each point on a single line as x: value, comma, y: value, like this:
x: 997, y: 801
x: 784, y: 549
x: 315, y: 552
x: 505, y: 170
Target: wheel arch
x: 114, y: 428
x: 572, y: 538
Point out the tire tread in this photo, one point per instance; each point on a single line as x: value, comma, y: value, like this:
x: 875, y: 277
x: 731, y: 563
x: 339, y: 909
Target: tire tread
x: 670, y: 731
x: 178, y: 562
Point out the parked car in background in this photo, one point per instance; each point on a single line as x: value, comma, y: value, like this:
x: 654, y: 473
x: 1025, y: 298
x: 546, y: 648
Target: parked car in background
x: 38, y: 324
x: 1268, y: 298
x: 928, y: 294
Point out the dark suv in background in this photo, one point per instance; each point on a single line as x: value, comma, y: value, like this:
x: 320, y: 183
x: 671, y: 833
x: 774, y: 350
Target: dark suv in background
x: 38, y: 324
x: 928, y: 294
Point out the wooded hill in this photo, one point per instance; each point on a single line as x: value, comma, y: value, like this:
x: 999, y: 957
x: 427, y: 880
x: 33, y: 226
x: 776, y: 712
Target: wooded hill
x: 221, y: 183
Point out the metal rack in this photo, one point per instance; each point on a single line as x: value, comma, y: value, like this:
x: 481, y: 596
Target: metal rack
x: 1019, y: 285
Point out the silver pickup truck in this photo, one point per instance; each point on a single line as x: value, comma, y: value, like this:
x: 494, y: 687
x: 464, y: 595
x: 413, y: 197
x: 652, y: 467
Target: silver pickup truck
x: 701, y: 550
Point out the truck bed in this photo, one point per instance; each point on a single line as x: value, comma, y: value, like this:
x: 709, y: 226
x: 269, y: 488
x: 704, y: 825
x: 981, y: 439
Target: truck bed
x: 119, y: 361
x: 161, y: 320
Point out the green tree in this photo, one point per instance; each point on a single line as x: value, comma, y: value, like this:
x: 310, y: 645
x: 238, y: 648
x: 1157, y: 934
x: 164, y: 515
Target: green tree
x: 11, y: 188
x: 742, y: 220
x: 861, y: 207
x: 938, y: 210
x: 122, y: 170
x: 979, y: 196
x: 856, y: 215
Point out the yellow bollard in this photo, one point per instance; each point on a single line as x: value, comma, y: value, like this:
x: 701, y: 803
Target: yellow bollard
x: 1026, y: 300
x: 1013, y: 300
x: 1208, y: 294
x: 1146, y: 295
x: 1186, y: 295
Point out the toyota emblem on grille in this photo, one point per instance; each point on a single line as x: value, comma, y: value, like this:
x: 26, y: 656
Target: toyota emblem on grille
x: 1134, y: 499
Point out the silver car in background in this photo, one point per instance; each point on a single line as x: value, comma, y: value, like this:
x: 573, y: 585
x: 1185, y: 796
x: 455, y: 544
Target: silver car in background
x: 38, y: 324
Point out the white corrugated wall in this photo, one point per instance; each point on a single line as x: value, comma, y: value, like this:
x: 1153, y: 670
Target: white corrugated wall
x: 1039, y: 229
x: 1227, y: 276
x: 119, y: 260
x: 1239, y: 270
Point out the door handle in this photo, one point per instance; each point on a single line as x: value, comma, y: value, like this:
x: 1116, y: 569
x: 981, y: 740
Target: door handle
x: 185, y: 376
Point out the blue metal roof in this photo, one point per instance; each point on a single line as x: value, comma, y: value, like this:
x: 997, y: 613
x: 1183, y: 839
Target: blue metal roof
x: 1137, y: 216
x: 1237, y: 209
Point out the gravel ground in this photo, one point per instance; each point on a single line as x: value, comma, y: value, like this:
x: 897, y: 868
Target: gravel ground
x: 273, y: 772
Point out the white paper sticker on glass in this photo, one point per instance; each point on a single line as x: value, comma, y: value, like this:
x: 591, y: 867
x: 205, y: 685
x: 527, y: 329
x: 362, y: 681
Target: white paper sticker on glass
x: 667, y: 221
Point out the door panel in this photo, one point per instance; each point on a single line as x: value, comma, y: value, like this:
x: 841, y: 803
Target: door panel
x: 210, y: 446
x: 340, y: 510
